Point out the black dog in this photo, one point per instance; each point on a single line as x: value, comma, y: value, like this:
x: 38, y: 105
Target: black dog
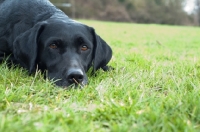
x: 35, y: 34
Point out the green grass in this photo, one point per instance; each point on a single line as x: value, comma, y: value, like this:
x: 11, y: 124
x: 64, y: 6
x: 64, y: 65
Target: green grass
x: 155, y: 87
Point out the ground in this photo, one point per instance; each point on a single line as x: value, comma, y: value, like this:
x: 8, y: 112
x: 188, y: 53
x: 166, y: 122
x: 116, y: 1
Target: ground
x: 155, y: 86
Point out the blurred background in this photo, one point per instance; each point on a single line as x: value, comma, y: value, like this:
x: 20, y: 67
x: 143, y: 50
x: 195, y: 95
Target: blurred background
x: 173, y: 12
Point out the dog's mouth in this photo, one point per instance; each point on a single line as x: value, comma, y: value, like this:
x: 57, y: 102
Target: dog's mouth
x: 68, y: 85
x: 72, y: 78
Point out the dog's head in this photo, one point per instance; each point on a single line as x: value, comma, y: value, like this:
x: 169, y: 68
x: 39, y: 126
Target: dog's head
x: 65, y: 49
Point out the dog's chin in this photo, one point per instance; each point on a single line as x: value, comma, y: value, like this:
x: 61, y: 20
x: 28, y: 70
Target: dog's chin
x: 67, y: 85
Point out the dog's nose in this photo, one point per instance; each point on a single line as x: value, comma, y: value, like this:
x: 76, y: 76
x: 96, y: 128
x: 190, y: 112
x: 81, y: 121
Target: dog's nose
x: 75, y: 76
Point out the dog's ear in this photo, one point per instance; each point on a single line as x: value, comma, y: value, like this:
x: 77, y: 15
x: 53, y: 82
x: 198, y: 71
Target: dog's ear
x: 102, y: 53
x: 25, y: 47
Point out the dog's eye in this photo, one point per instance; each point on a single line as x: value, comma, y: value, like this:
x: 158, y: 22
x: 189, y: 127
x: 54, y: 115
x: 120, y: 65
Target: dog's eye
x: 53, y: 46
x: 84, y: 48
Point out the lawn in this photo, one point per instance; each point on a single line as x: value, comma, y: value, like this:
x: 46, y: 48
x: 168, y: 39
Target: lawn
x: 155, y: 86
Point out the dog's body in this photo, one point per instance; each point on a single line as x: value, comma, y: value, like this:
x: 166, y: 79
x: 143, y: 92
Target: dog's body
x: 35, y: 34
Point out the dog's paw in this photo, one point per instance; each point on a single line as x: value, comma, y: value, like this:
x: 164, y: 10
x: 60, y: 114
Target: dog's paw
x: 107, y: 68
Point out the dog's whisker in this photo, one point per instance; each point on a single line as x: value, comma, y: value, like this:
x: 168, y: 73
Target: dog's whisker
x: 75, y: 81
x: 80, y: 84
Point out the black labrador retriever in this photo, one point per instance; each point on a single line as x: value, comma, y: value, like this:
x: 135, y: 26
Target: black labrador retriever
x: 36, y: 35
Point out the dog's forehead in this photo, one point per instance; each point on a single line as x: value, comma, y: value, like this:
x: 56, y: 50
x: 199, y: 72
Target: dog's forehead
x: 66, y: 27
x: 66, y: 31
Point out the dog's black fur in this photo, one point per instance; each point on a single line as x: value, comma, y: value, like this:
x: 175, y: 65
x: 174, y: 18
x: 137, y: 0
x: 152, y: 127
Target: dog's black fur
x: 35, y: 34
